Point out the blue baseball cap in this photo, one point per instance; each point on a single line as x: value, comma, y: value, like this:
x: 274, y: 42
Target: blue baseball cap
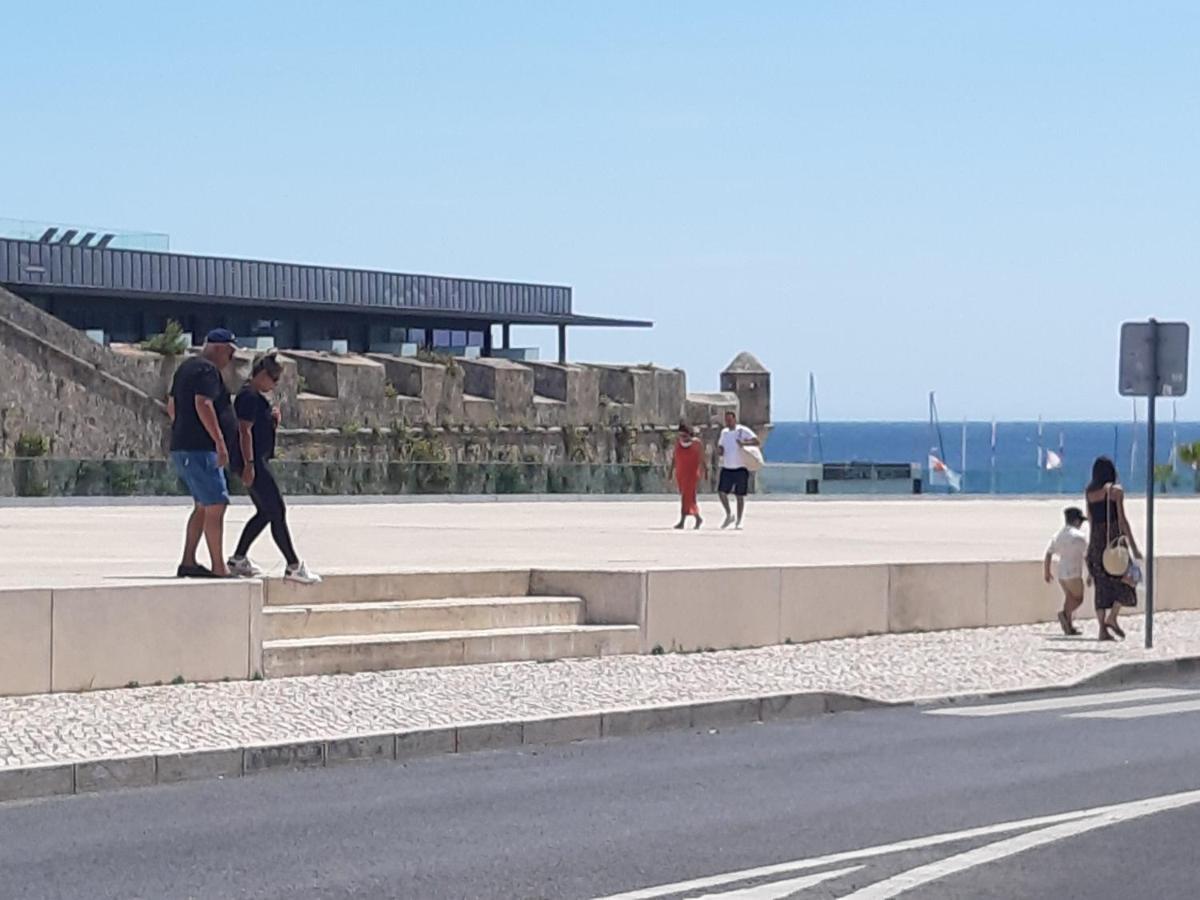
x: 221, y: 336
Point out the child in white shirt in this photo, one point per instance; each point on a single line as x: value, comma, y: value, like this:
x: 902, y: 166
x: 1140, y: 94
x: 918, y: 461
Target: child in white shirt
x: 1068, y: 547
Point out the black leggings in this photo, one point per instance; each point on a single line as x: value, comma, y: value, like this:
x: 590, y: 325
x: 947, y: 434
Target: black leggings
x: 270, y: 510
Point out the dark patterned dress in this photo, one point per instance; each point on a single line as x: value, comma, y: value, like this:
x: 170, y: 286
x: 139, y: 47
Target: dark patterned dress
x: 1110, y: 590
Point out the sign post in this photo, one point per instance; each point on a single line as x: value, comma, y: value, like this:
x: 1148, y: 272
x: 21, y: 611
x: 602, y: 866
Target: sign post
x: 1153, y: 363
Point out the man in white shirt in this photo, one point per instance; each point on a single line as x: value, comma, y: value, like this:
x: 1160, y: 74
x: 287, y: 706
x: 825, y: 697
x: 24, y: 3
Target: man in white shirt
x: 1069, y: 548
x: 735, y: 471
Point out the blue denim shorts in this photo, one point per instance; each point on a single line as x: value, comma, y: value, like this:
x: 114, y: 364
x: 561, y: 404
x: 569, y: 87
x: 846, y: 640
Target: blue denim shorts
x: 205, y: 480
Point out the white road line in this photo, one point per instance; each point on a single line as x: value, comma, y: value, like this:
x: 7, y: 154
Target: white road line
x: 1077, y: 701
x: 777, y: 890
x: 921, y: 843
x: 816, y: 862
x: 934, y: 871
x: 1139, y: 712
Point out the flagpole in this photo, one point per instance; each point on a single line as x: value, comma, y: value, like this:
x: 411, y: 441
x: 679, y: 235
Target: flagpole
x: 1062, y: 457
x: 964, y: 455
x: 993, y: 463
x: 1174, y: 436
x: 1041, y: 455
x: 1133, y: 446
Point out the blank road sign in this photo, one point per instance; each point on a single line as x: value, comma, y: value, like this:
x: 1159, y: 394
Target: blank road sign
x: 1138, y: 353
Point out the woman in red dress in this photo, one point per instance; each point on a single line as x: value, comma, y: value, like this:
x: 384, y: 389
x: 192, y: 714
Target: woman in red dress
x: 689, y: 469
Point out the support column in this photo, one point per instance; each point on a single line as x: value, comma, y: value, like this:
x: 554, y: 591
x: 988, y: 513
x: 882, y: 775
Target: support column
x: 562, y: 344
x: 505, y: 336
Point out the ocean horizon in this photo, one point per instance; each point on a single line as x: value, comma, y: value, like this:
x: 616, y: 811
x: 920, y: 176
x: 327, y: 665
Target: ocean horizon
x: 1012, y: 468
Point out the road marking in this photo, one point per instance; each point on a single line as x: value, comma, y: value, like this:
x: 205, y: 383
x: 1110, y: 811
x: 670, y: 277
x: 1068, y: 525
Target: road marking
x: 777, y: 890
x: 1077, y: 701
x: 921, y: 843
x: 816, y: 862
x: 934, y: 871
x: 1139, y: 712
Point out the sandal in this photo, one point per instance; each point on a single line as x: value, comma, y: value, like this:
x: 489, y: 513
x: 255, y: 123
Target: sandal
x: 1064, y: 622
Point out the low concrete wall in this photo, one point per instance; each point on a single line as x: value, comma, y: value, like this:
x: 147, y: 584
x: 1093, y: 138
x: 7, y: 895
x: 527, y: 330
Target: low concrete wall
x: 102, y: 637
x: 721, y: 609
x: 77, y: 639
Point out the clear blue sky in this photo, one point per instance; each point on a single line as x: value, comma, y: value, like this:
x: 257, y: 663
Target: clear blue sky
x: 901, y: 197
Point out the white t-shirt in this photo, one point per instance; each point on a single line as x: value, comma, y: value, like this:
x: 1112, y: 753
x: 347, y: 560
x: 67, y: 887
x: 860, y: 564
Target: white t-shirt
x: 1070, y: 546
x: 733, y: 456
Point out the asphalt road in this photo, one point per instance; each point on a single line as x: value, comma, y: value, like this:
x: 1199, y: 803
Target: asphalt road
x: 979, y: 806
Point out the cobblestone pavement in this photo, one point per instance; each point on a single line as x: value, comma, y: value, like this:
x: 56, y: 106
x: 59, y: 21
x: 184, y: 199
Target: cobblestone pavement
x: 104, y: 724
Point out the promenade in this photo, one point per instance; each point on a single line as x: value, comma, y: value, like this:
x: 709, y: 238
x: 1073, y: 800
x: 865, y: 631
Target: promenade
x: 59, y: 546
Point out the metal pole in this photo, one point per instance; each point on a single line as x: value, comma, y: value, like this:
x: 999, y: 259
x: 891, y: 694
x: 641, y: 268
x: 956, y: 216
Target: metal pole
x: 1151, y: 402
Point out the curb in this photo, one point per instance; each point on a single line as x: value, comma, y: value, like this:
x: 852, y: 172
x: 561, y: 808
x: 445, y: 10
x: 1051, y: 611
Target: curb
x: 1115, y: 675
x: 91, y: 776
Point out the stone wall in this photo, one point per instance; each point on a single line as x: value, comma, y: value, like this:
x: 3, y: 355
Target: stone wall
x: 96, y: 403
x: 82, y: 411
x: 22, y: 313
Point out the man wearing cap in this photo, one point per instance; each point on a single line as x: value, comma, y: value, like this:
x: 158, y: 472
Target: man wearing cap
x: 197, y: 405
x: 1069, y: 547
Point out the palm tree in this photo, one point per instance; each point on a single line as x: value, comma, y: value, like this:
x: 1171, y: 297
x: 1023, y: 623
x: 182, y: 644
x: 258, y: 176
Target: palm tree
x: 1189, y: 455
x: 1164, y: 477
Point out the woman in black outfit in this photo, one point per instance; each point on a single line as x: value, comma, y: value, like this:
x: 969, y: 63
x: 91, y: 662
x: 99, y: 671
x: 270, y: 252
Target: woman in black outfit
x: 1106, y: 512
x: 249, y: 456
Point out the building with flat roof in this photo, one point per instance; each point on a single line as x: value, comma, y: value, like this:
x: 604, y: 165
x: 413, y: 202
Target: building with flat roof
x: 127, y: 286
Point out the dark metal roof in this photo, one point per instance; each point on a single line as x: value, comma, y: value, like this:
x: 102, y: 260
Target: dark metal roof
x: 66, y: 268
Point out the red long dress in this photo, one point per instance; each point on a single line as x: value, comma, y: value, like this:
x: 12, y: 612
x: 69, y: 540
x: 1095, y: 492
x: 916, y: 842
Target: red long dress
x: 689, y: 462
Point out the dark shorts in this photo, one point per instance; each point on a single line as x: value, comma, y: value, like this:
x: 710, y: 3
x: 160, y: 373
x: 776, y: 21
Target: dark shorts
x: 734, y: 481
x: 205, y: 480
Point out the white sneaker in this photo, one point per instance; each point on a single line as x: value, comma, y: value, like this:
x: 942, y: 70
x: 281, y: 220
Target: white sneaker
x: 244, y: 568
x: 299, y: 573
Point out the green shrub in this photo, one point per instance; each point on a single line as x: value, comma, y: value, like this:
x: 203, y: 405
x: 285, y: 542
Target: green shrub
x: 169, y: 343
x: 31, y: 445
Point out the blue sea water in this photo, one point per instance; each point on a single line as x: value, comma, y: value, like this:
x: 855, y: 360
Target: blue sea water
x: 1015, y: 468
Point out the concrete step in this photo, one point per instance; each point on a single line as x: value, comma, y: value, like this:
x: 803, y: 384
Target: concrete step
x: 405, y: 616
x: 379, y: 652
x: 396, y: 586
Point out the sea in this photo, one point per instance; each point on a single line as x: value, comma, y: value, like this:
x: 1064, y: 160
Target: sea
x: 1012, y: 468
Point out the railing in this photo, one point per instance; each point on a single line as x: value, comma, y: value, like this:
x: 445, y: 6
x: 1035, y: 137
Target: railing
x: 48, y: 477
x: 45, y: 477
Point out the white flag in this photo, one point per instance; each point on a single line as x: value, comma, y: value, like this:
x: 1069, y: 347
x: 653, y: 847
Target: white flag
x: 942, y: 475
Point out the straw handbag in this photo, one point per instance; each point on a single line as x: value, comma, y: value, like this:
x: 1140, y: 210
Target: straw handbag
x: 1117, y: 556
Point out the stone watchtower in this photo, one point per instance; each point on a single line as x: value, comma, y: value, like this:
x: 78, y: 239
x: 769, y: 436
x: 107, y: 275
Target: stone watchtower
x: 750, y: 380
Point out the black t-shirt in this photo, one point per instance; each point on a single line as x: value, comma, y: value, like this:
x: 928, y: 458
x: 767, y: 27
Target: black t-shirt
x: 197, y: 378
x: 253, y: 407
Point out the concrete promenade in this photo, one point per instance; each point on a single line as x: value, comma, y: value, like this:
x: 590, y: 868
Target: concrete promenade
x: 58, y: 546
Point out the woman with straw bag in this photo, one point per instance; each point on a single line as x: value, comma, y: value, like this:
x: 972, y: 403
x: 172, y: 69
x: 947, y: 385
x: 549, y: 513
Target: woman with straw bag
x: 1111, y: 549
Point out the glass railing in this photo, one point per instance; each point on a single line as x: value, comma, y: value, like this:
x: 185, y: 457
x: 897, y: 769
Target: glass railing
x: 48, y: 477
x: 25, y: 230
x: 45, y: 477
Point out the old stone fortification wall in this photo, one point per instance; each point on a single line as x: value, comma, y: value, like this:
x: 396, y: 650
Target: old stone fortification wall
x: 96, y: 402
x: 79, y: 408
